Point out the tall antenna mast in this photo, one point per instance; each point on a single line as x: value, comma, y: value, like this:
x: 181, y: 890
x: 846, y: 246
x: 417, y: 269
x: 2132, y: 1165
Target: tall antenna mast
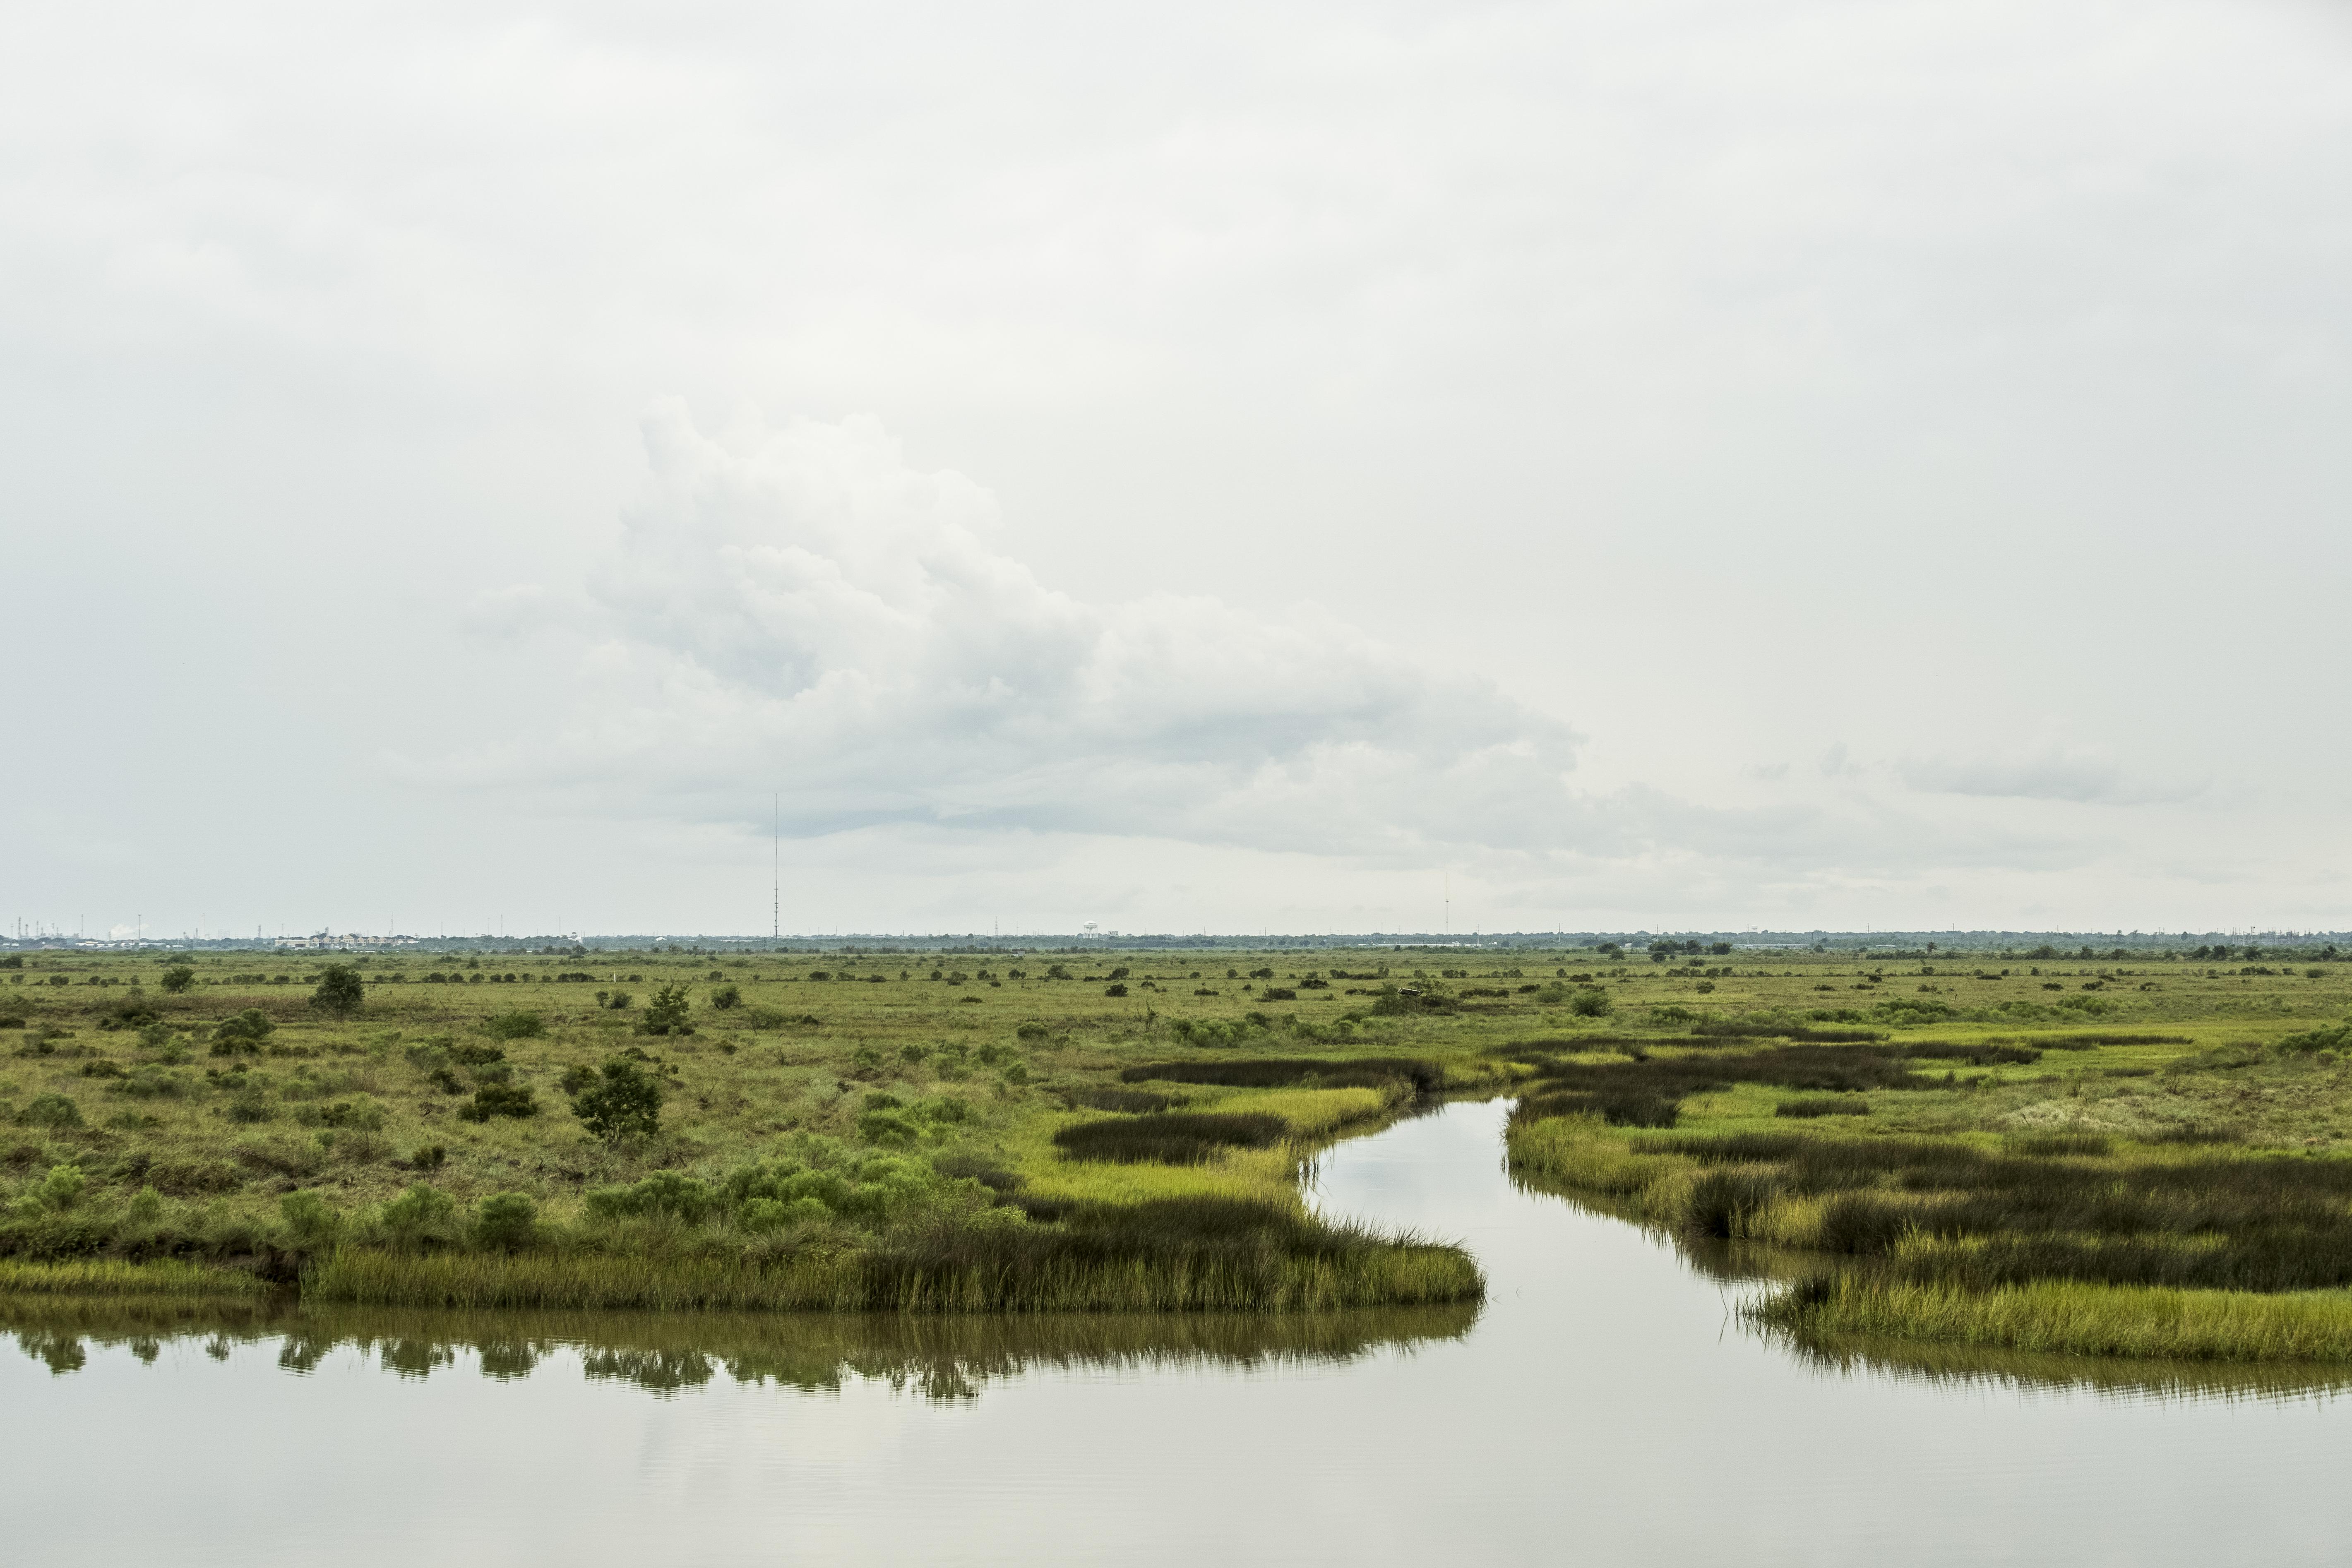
x: 1449, y: 900
x: 776, y: 866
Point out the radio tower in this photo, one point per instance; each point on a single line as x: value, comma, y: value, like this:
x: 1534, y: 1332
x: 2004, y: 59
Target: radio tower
x: 776, y: 866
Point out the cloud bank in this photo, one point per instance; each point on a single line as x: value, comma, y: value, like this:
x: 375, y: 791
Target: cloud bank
x: 801, y: 610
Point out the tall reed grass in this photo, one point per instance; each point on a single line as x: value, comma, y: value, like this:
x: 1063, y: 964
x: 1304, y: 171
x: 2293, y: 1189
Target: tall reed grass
x: 119, y: 1277
x: 1051, y: 1280
x: 2072, y: 1318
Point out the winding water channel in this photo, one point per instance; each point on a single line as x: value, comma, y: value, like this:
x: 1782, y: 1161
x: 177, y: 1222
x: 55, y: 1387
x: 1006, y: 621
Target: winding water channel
x: 1603, y: 1406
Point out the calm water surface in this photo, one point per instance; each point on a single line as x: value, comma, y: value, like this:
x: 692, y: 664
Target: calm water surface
x: 1603, y: 1406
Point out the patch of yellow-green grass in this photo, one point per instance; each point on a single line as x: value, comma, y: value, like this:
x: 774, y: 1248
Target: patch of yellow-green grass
x: 114, y: 1277
x: 1263, y: 1175
x: 1581, y: 1153
x: 2074, y: 1319
x: 1311, y: 1112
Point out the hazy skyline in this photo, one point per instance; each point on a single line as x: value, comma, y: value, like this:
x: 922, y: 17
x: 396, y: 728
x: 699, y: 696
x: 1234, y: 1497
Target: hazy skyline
x: 1675, y: 467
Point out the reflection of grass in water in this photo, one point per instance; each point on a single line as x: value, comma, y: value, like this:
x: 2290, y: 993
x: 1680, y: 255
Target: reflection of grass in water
x: 940, y: 1358
x: 1950, y: 1365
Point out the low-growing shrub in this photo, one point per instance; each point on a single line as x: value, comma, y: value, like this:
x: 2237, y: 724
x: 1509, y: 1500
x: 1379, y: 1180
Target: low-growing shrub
x: 516, y: 1025
x: 242, y: 1034
x: 56, y: 1111
x: 422, y: 1216
x: 500, y: 1099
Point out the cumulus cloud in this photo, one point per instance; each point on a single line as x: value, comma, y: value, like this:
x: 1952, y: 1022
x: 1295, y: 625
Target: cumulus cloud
x: 801, y: 609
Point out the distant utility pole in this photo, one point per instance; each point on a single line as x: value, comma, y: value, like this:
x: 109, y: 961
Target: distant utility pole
x: 776, y: 866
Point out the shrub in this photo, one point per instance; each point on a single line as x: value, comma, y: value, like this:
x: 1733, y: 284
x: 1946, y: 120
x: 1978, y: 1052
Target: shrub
x: 429, y: 1157
x: 360, y: 1115
x: 420, y: 1215
x: 177, y: 979
x: 242, y: 1033
x: 61, y: 1188
x: 664, y: 1193
x: 666, y: 1014
x: 727, y: 998
x: 50, y: 1111
x: 341, y: 991
x: 517, y: 1026
x: 1114, y: 990
x: 889, y: 1128
x: 507, y: 1220
x: 500, y: 1099
x: 310, y: 1224
x: 620, y: 1100
x: 132, y: 1012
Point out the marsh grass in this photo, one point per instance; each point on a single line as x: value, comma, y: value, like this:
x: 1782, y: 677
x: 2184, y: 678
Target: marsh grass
x: 1952, y: 1214
x: 1295, y: 1072
x: 1179, y: 1255
x: 1170, y: 1138
x: 2072, y: 1318
x: 119, y: 1277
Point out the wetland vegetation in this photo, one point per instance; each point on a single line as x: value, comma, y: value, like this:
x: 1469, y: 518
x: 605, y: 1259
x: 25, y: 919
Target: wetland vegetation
x: 2122, y: 1153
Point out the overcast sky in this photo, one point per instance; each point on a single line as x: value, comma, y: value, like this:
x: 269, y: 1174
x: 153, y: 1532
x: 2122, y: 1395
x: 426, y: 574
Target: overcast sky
x: 1636, y: 463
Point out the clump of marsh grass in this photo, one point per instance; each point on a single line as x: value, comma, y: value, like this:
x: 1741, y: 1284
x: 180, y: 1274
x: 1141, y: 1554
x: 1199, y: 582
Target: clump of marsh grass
x: 1171, y: 1255
x: 1170, y: 1138
x: 1295, y: 1072
x: 1824, y: 1105
x: 2070, y: 1317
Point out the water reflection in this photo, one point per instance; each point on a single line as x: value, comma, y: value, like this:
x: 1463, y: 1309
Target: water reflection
x: 939, y: 1358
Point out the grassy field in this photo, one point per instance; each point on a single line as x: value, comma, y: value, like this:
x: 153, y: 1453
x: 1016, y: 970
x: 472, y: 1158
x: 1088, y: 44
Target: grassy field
x: 999, y: 1132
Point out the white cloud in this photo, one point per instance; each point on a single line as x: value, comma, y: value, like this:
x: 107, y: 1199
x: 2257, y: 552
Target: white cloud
x: 800, y: 608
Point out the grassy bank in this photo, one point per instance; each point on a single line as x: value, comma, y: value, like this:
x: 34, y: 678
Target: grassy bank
x: 2066, y: 1317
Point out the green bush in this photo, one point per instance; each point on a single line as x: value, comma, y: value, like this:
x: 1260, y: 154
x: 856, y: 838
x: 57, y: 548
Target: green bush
x: 889, y: 1128
x: 242, y: 1034
x: 341, y: 991
x: 177, y: 979
x: 664, y: 1193
x: 619, y: 1099
x: 507, y: 1220
x: 519, y: 1025
x: 61, y: 1188
x: 726, y: 996
x: 421, y: 1215
x: 360, y: 1115
x: 50, y: 1111
x: 1591, y: 1001
x: 310, y: 1224
x: 666, y: 1014
x: 500, y: 1099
